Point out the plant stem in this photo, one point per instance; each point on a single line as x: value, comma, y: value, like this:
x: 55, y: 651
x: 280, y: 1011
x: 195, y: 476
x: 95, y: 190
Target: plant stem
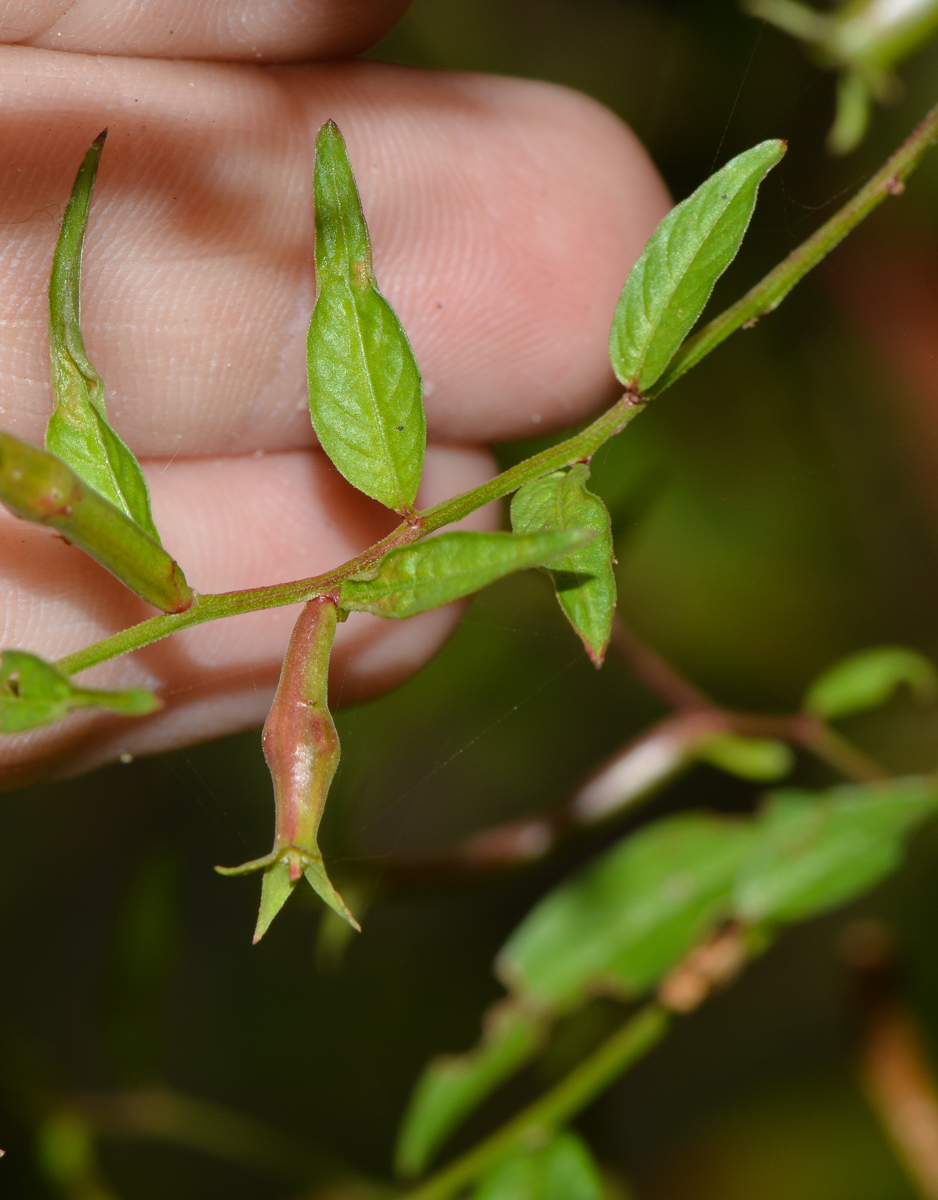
x: 213, y: 607
x: 536, y: 1124
x: 889, y: 180
x: 761, y: 299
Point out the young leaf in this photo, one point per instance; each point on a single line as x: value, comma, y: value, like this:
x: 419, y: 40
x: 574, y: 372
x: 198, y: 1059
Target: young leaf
x: 34, y: 692
x: 564, y: 1169
x: 622, y: 923
x: 453, y: 1085
x: 585, y: 581
x: 365, y: 394
x: 78, y: 430
x: 816, y: 851
x: 867, y: 680
x: 301, y: 746
x: 39, y: 487
x: 668, y: 287
x: 445, y: 568
x: 763, y: 760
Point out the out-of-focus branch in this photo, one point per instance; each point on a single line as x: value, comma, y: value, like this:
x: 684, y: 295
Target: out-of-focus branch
x: 896, y: 1074
x: 166, y: 1115
x: 635, y: 773
x: 654, y: 671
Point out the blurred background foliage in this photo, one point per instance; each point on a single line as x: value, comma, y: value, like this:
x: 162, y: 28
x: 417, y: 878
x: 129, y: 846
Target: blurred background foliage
x: 775, y: 510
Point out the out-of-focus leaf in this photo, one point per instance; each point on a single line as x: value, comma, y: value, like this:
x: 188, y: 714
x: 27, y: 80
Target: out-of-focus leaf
x: 78, y: 430
x: 564, y: 1169
x: 39, y: 487
x: 452, y: 1085
x: 585, y: 581
x: 815, y: 851
x: 762, y: 760
x: 365, y: 394
x: 668, y: 287
x: 867, y: 680
x: 445, y: 568
x: 34, y: 692
x: 622, y: 923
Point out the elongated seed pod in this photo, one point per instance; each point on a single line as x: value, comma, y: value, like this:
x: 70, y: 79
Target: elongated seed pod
x: 39, y: 487
x: 301, y: 746
x: 300, y: 741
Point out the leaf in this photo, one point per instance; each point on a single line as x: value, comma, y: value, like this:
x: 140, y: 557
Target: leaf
x: 451, y: 1086
x: 365, y: 394
x: 428, y: 574
x: 564, y: 1169
x: 585, y: 581
x: 622, y: 923
x: 762, y: 760
x: 668, y: 287
x: 816, y: 851
x: 34, y: 692
x: 867, y: 680
x: 78, y: 430
x: 39, y: 487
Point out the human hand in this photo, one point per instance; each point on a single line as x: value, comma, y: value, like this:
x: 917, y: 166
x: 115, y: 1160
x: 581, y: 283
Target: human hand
x: 504, y: 215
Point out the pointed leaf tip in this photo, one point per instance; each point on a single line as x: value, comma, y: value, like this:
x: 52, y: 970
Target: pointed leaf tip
x: 79, y: 431
x: 275, y: 891
x: 321, y: 884
x: 584, y: 580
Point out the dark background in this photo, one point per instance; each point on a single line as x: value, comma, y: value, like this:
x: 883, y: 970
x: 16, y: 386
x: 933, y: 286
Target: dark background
x: 775, y: 510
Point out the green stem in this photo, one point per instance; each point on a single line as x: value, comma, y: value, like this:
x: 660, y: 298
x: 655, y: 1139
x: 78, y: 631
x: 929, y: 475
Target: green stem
x: 232, y: 604
x: 840, y: 754
x: 761, y: 299
x: 552, y: 1111
x: 772, y: 290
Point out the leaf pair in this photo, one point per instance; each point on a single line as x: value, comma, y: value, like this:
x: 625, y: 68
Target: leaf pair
x: 633, y: 915
x: 87, y: 484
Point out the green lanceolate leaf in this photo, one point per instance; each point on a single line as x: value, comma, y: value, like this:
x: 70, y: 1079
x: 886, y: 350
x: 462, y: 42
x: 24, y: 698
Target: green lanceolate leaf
x: 624, y: 921
x: 668, y: 287
x: 763, y: 760
x: 78, y: 430
x: 817, y: 850
x: 365, y: 394
x: 453, y: 1085
x: 445, y: 568
x: 34, y: 692
x: 585, y: 581
x: 39, y: 487
x: 867, y: 680
x: 564, y: 1169
x: 301, y: 746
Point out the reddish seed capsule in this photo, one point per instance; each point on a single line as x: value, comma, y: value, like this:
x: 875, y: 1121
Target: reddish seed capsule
x: 301, y: 746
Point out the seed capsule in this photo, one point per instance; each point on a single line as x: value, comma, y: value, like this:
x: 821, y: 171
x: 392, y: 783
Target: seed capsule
x: 301, y: 746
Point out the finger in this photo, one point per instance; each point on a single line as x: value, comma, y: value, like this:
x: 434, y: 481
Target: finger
x: 252, y: 30
x: 233, y: 523
x: 505, y: 216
